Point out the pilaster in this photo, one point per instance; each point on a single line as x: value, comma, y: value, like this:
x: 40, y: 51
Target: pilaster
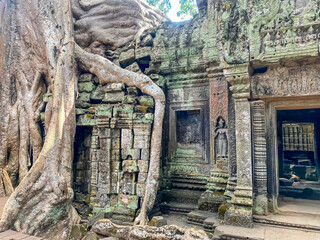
x: 240, y: 208
x: 214, y: 196
x: 260, y: 203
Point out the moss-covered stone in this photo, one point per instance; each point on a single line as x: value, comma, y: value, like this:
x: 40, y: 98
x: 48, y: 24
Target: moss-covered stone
x: 84, y: 97
x: 85, y: 77
x: 113, y: 97
x: 86, y: 120
x: 86, y: 87
x: 97, y: 94
x: 78, y: 231
x: 146, y: 101
x: 158, y: 221
x: 104, y: 111
x: 126, y: 58
x: 133, y: 91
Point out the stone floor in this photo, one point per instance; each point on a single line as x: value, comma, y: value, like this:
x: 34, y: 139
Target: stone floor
x: 264, y: 232
x: 292, y: 212
x: 300, y: 213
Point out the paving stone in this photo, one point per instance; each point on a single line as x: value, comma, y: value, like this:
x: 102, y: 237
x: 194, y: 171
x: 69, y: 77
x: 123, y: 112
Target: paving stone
x: 158, y: 221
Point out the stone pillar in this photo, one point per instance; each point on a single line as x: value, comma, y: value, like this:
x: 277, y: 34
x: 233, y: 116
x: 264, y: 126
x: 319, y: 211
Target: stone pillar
x: 212, y: 199
x: 239, y: 212
x: 260, y: 203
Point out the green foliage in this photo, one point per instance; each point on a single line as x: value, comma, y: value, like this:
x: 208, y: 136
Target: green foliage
x: 187, y: 7
x: 162, y: 5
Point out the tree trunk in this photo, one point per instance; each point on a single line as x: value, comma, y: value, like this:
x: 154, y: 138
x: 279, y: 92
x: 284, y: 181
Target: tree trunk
x: 38, y: 58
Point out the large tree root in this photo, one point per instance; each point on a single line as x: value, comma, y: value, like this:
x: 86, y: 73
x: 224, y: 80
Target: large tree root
x: 107, y: 72
x: 40, y: 43
x: 170, y: 232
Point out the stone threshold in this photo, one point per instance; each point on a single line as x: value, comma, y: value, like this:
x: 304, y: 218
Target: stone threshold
x: 287, y: 220
x: 263, y: 232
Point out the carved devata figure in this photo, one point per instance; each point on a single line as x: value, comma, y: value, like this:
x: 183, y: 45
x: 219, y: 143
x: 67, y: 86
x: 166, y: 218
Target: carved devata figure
x: 221, y: 140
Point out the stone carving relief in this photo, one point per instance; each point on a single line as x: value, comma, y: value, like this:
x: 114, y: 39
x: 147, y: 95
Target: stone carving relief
x: 188, y: 94
x: 221, y: 140
x: 283, y: 81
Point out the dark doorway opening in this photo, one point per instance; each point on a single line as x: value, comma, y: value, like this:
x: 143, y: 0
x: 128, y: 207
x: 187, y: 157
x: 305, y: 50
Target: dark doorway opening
x: 298, y: 153
x: 82, y: 170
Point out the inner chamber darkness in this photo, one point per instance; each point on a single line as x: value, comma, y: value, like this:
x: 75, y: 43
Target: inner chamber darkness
x: 299, y: 167
x: 189, y: 127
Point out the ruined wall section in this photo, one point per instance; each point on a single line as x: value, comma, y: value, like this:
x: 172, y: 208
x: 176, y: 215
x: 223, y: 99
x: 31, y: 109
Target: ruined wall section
x: 176, y: 57
x: 120, y: 119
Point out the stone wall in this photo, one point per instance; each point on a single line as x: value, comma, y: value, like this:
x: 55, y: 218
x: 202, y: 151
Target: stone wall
x: 112, y: 148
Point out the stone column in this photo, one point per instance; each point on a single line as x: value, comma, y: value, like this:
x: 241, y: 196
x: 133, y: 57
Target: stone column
x: 239, y: 212
x: 260, y: 203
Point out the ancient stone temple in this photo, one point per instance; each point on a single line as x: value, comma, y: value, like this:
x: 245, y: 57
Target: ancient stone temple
x: 241, y: 129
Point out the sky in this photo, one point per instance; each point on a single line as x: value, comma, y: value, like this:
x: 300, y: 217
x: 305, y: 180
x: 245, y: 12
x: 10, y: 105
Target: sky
x: 172, y: 14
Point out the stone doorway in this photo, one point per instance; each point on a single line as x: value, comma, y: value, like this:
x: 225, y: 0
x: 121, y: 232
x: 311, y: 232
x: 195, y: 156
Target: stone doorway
x: 298, y: 132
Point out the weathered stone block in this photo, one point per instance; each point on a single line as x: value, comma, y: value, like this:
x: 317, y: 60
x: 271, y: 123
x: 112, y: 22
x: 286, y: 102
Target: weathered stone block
x: 141, y: 109
x: 143, y: 166
x: 133, y: 91
x: 147, y: 41
x: 84, y: 97
x: 122, y: 219
x: 104, y: 111
x: 141, y: 141
x: 143, y: 54
x: 146, y: 101
x: 86, y: 87
x: 124, y: 211
x: 141, y: 187
x: 90, y: 236
x: 113, y: 97
x: 86, y: 77
x: 130, y: 99
x: 80, y: 104
x: 126, y: 138
x: 78, y: 231
x: 115, y: 133
x: 126, y: 58
x: 130, y: 153
x: 114, y: 87
x: 124, y: 110
x: 134, y: 67
x: 158, y: 221
x: 145, y: 154
x: 142, y: 177
x: 142, y: 131
x: 131, y: 201
x: 105, y: 143
x: 97, y: 94
x: 79, y: 111
x: 104, y: 132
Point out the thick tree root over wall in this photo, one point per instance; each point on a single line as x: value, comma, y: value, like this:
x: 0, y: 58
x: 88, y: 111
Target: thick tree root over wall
x: 38, y: 56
